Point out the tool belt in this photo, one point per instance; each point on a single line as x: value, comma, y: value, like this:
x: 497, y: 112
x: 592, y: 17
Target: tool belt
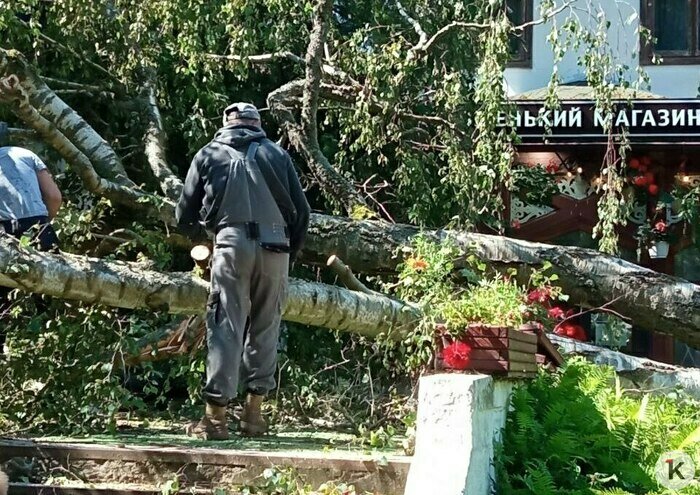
x: 271, y: 237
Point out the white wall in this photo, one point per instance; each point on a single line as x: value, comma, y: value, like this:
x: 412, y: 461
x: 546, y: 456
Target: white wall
x: 672, y: 81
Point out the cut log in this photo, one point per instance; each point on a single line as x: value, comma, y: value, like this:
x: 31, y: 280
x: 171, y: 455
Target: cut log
x: 652, y: 300
x: 129, y: 285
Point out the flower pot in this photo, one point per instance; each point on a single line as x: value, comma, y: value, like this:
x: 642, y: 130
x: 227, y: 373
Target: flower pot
x: 659, y: 249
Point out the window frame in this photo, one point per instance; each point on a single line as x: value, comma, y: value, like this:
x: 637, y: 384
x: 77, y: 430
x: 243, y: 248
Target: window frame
x: 670, y: 57
x: 523, y: 59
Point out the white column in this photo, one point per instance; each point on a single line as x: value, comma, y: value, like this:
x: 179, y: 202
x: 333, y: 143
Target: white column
x: 459, y: 418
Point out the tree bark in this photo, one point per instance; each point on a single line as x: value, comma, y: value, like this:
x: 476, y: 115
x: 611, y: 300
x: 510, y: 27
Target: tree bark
x: 652, y: 300
x: 103, y: 158
x: 155, y: 143
x: 129, y: 285
x: 13, y: 93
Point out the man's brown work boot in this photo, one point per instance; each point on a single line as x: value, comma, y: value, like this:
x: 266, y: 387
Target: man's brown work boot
x: 212, y: 426
x: 252, y: 423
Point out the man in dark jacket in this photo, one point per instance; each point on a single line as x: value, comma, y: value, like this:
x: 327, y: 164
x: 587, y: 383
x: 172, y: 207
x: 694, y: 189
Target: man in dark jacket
x: 243, y: 191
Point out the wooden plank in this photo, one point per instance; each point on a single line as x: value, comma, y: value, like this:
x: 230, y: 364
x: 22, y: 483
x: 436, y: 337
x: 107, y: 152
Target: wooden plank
x: 520, y: 346
x: 488, y: 354
x: 522, y: 374
x: 489, y: 365
x: 522, y: 357
x: 550, y: 349
x: 500, y: 343
x: 213, y: 457
x: 515, y: 366
x: 36, y: 489
x: 487, y: 342
x: 522, y: 336
x: 484, y: 331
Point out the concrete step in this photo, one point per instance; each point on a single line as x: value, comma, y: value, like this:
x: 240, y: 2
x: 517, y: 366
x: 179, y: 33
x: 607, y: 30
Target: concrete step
x: 133, y: 460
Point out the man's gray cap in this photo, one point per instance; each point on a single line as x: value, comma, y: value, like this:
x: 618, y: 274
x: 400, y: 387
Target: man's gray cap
x: 241, y: 111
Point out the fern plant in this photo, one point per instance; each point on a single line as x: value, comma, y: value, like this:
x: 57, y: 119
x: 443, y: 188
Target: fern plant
x: 577, y: 431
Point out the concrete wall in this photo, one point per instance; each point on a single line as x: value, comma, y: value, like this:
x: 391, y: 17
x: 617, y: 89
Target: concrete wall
x: 672, y: 81
x: 460, y: 417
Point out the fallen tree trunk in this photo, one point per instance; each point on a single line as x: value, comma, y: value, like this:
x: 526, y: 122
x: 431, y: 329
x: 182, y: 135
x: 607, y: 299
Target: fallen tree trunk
x: 129, y: 285
x: 652, y: 300
x: 638, y: 373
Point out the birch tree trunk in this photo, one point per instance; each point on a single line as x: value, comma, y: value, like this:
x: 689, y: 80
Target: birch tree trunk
x: 652, y: 300
x: 129, y: 285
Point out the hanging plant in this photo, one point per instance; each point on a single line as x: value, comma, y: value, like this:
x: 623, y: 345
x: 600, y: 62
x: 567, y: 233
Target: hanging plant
x: 686, y: 202
x: 534, y: 185
x: 656, y: 237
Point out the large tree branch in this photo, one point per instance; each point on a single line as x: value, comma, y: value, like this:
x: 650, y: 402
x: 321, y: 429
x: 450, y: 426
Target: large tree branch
x: 104, y: 160
x: 304, y: 136
x: 652, y: 300
x: 332, y: 183
x: 12, y: 93
x: 155, y: 144
x: 128, y: 285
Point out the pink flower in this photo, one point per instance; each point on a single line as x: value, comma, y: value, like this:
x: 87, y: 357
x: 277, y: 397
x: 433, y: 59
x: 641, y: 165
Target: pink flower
x: 661, y: 226
x: 456, y: 355
x: 556, y: 313
x: 541, y: 295
x: 515, y: 224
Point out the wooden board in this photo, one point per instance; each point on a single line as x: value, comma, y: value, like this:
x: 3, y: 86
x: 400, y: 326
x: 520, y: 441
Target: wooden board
x: 521, y: 374
x: 488, y: 364
x: 546, y: 347
x: 500, y: 343
x: 498, y: 332
x: 501, y: 354
x: 501, y: 365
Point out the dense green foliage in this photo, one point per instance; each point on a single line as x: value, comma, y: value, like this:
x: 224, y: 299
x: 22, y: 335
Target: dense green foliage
x: 578, y: 431
x: 419, y: 132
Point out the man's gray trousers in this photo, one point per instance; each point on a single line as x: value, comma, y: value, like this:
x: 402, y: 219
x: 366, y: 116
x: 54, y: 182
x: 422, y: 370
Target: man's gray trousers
x: 248, y: 292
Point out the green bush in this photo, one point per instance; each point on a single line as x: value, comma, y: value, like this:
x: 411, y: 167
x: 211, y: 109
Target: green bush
x: 578, y: 431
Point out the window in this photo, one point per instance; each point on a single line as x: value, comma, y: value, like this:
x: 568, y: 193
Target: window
x: 520, y: 12
x: 674, y: 24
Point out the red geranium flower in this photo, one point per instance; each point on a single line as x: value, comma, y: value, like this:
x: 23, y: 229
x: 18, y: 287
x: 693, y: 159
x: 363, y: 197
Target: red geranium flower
x: 541, y: 295
x: 556, y: 313
x: 653, y: 189
x: 456, y: 355
x: 571, y: 330
x: 640, y: 181
x: 634, y: 164
x: 515, y: 224
x: 660, y: 226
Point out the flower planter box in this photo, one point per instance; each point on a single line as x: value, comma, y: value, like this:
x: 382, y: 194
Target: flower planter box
x: 502, y: 350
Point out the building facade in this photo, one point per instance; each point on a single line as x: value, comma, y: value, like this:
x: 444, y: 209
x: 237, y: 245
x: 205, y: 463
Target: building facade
x: 662, y: 157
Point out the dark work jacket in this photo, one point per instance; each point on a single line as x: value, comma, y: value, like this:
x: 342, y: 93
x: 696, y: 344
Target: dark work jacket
x: 206, y: 182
